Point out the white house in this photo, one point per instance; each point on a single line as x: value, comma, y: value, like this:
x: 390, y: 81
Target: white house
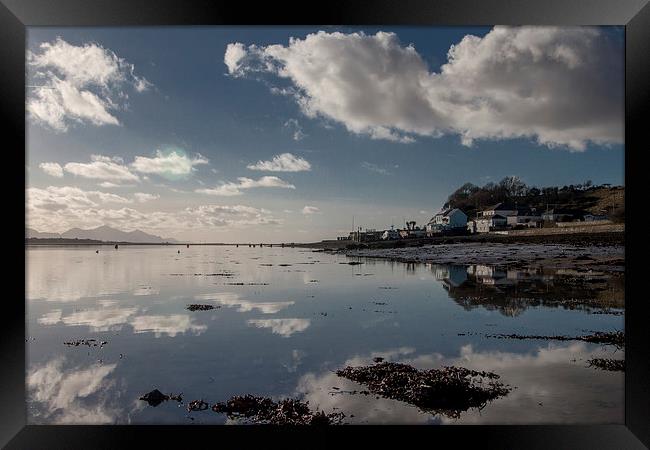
x: 490, y: 223
x: 447, y: 219
x: 500, y: 209
x: 390, y: 235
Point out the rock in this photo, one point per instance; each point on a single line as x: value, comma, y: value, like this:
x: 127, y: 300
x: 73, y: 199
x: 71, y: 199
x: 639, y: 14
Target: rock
x: 154, y: 398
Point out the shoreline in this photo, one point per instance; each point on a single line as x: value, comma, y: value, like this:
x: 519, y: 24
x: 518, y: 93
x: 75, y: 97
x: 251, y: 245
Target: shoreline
x: 569, y: 238
x: 608, y: 259
x: 579, y: 239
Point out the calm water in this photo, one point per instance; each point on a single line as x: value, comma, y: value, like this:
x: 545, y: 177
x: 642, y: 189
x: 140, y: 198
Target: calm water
x: 287, y: 319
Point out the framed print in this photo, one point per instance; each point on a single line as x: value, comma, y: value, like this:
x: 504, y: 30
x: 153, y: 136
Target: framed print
x: 365, y: 216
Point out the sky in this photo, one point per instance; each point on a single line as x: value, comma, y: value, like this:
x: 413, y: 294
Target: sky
x: 289, y: 134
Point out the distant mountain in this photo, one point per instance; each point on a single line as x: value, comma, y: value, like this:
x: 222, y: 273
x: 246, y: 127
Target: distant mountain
x: 31, y: 233
x: 103, y: 233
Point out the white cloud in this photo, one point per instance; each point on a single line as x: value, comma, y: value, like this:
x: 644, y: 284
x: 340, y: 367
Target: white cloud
x: 286, y: 162
x: 102, y: 168
x: 173, y: 164
x: 283, y: 327
x: 59, y: 209
x: 374, y: 168
x: 560, y: 86
x: 52, y: 169
x: 108, y: 185
x: 55, y: 198
x: 143, y: 197
x: 308, y: 210
x: 78, y: 84
x: 225, y: 190
x: 233, y: 56
x: 293, y: 125
x: 231, y: 189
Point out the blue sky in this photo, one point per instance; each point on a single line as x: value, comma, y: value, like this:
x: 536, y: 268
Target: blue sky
x: 196, y: 105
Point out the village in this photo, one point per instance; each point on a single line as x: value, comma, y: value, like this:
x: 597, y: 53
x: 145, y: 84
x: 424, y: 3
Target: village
x: 498, y: 218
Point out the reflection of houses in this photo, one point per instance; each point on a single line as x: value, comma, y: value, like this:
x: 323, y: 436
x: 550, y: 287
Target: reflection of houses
x: 486, y: 274
x: 451, y: 276
x: 511, y: 291
x: 447, y: 220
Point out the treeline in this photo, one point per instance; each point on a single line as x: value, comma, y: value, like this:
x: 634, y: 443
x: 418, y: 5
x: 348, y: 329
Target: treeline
x: 578, y: 198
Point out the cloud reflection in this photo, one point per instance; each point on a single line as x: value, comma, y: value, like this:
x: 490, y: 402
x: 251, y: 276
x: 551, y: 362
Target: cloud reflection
x: 170, y: 325
x: 553, y: 385
x: 233, y: 300
x: 283, y: 327
x: 70, y: 396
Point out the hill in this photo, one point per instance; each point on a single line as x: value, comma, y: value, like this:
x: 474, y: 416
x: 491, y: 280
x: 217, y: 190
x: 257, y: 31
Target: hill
x: 103, y: 233
x: 577, y: 199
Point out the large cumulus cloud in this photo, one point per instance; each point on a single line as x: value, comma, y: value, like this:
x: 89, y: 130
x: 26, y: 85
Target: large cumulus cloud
x: 559, y: 86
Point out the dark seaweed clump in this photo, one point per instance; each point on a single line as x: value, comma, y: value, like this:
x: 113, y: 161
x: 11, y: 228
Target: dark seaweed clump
x: 264, y: 410
x: 614, y: 365
x: 616, y: 338
x: 449, y: 390
x: 87, y: 342
x: 195, y: 307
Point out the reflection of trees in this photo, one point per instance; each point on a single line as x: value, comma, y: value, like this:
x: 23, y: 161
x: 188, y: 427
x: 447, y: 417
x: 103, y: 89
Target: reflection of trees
x: 512, y: 291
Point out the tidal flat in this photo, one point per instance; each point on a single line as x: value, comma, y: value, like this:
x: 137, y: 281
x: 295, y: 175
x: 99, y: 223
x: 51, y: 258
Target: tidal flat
x: 266, y: 335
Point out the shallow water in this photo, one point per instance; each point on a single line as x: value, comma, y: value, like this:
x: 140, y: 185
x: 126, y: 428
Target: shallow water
x: 285, y: 319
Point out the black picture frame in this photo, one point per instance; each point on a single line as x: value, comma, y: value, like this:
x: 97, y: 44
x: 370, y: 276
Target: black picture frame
x: 16, y: 15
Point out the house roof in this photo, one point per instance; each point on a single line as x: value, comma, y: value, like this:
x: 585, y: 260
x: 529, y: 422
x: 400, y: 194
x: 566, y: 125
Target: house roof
x: 527, y: 212
x: 446, y: 212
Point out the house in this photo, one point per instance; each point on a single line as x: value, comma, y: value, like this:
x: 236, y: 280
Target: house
x: 411, y: 231
x: 365, y: 236
x: 594, y: 217
x: 491, y: 223
x: 525, y: 218
x: 500, y: 209
x: 390, y: 235
x: 556, y: 215
x: 471, y: 226
x: 447, y: 219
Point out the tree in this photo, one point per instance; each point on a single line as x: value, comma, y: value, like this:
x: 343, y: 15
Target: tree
x: 513, y: 186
